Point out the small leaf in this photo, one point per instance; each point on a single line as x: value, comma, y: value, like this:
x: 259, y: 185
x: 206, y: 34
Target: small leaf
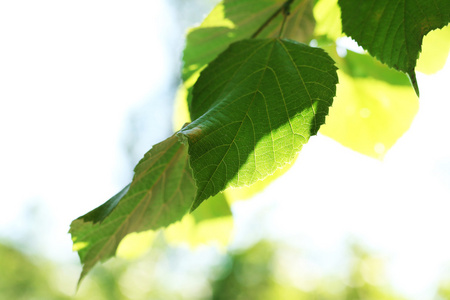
x: 365, y: 66
x: 217, y: 231
x: 392, y: 30
x: 253, y: 108
x: 161, y: 193
x: 246, y: 192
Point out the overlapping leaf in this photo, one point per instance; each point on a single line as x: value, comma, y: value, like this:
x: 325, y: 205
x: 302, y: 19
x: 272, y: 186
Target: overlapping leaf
x: 253, y: 108
x: 234, y: 20
x: 374, y: 104
x: 370, y: 115
x: 161, y: 193
x: 392, y: 30
x: 435, y: 51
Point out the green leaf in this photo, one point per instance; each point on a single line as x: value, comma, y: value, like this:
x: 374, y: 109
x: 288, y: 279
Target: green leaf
x: 234, y: 20
x: 247, y: 192
x: 392, y: 30
x: 253, y: 108
x: 161, y: 193
x: 364, y: 66
x: 216, y: 208
x: 370, y: 115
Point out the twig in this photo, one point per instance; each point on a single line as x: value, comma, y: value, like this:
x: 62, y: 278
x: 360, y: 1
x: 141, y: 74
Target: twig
x: 284, y: 8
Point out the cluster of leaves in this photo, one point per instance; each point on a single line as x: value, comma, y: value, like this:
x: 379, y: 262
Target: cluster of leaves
x: 256, y: 90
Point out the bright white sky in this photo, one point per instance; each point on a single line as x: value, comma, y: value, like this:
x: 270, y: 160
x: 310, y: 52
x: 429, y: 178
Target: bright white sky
x: 70, y: 74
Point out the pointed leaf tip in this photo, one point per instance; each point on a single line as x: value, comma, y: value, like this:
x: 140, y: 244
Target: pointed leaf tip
x: 392, y: 31
x: 413, y: 79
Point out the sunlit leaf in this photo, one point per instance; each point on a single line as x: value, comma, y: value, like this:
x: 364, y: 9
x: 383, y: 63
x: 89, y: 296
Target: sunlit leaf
x: 327, y: 14
x: 364, y: 66
x: 161, y: 193
x: 253, y: 108
x: 392, y: 30
x: 216, y: 208
x: 247, y: 192
x: 135, y: 244
x: 215, y: 231
x: 369, y: 115
x: 435, y: 51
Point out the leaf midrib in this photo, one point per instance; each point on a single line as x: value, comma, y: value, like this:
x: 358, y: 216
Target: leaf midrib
x: 112, y: 237
x: 200, y: 193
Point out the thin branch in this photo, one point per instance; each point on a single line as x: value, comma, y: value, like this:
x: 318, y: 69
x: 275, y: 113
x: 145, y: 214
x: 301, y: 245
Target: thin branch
x: 286, y: 13
x: 284, y: 8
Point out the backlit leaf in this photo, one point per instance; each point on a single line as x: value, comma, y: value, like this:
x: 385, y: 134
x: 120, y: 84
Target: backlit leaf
x: 392, y: 30
x: 161, y: 193
x: 369, y: 115
x: 435, y: 51
x: 254, y: 108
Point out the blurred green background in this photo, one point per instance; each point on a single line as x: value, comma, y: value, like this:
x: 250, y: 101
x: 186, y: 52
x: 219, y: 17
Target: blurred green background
x: 265, y: 270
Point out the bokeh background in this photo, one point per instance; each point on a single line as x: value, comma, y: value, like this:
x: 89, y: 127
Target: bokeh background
x: 87, y: 87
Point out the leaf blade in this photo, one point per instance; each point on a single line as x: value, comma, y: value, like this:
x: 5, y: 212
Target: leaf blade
x: 161, y: 193
x: 254, y: 108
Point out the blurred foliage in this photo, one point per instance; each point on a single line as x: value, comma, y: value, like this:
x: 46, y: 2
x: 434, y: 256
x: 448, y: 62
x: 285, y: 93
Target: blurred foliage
x: 267, y: 270
x: 21, y: 277
x: 256, y: 274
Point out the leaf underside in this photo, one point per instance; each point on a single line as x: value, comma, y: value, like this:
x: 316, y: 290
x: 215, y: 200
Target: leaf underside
x: 392, y: 30
x: 253, y: 108
x: 161, y: 193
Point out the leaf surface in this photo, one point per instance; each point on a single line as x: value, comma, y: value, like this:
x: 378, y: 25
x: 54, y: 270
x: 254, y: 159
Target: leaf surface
x: 392, y: 30
x: 161, y: 193
x: 365, y: 66
x: 253, y: 108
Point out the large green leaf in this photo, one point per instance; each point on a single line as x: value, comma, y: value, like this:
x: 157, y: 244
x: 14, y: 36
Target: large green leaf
x: 161, y: 193
x: 253, y: 108
x: 392, y: 30
x: 234, y: 20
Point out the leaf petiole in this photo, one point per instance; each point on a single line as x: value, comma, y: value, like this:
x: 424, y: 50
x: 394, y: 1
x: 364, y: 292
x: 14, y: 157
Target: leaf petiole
x: 285, y: 8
